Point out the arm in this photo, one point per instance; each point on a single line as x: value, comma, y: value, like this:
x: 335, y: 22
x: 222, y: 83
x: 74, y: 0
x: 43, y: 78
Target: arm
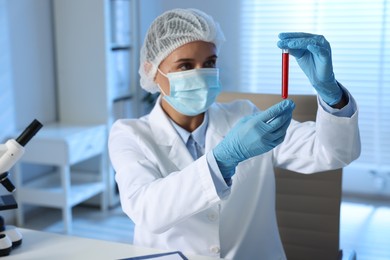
x: 329, y: 143
x: 253, y: 135
x: 152, y: 200
x: 333, y: 141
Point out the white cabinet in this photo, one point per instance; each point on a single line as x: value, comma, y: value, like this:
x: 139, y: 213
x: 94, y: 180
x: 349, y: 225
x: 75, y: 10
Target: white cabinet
x: 97, y: 63
x: 62, y: 147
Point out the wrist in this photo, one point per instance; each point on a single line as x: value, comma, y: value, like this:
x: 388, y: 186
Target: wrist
x: 330, y: 92
x: 227, y: 169
x: 228, y: 181
x: 226, y: 165
x: 342, y: 103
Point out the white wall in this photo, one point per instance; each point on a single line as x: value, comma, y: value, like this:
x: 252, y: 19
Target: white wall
x: 6, y: 93
x: 6, y: 96
x: 27, y: 78
x: 227, y: 15
x: 32, y: 63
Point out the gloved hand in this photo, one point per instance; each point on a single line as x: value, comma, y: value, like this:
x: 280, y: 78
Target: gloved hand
x: 252, y: 136
x: 314, y: 56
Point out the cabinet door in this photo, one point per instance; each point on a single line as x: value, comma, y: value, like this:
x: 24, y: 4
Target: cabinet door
x: 83, y: 59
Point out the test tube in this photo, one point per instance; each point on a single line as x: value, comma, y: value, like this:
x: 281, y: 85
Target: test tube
x: 285, y: 65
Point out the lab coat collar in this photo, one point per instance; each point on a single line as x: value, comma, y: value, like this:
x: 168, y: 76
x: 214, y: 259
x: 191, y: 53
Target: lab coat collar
x: 217, y: 127
x: 163, y: 131
x: 166, y: 135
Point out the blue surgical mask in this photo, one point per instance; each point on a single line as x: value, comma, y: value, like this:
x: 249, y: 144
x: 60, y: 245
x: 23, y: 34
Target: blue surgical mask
x: 192, y: 91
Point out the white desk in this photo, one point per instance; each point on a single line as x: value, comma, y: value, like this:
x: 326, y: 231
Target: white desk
x: 37, y: 245
x: 63, y: 146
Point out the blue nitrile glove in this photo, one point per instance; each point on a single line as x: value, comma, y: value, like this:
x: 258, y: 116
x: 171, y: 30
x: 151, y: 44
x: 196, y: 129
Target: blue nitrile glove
x: 252, y: 136
x: 314, y: 56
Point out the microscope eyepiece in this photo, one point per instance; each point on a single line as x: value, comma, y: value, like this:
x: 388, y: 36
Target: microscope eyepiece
x: 29, y: 132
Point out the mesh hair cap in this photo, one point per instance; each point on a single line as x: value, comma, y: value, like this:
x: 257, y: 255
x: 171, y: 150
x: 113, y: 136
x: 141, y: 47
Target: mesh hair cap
x: 168, y: 32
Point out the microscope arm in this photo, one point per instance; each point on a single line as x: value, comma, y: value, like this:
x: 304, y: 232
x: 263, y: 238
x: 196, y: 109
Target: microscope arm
x: 12, y: 151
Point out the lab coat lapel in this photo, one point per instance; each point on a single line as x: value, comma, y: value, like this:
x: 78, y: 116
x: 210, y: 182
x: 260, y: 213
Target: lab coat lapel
x: 168, y: 139
x: 180, y: 155
x: 217, y: 127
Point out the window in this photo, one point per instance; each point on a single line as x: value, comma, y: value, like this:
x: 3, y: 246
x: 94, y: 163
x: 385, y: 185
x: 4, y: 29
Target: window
x: 359, y: 33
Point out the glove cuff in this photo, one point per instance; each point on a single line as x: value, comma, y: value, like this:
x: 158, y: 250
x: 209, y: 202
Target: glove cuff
x: 225, y: 165
x: 330, y: 92
x: 228, y: 181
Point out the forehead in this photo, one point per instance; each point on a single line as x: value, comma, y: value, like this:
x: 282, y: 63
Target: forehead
x: 197, y: 50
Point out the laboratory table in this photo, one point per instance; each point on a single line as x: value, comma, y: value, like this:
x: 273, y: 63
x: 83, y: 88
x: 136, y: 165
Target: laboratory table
x: 43, y: 245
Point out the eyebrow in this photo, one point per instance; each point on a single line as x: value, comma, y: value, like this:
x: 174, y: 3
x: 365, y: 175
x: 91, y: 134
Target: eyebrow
x: 189, y: 60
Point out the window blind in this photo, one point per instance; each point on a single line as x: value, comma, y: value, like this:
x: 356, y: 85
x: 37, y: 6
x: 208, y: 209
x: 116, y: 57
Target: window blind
x: 358, y: 32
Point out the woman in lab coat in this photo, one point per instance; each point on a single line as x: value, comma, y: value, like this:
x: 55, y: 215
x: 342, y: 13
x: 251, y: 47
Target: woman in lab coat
x: 197, y: 176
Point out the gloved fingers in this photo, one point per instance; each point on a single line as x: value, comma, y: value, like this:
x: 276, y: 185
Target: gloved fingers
x: 279, y: 140
x: 280, y: 124
x: 279, y: 121
x: 289, y: 38
x: 274, y: 111
x: 287, y: 35
x: 323, y: 54
x: 297, y: 53
x: 298, y: 46
x: 276, y: 137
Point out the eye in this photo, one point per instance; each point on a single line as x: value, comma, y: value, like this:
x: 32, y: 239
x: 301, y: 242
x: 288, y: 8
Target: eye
x: 210, y: 63
x: 185, y: 66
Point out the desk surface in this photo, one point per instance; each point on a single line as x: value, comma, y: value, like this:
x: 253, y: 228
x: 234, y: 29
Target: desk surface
x: 37, y: 245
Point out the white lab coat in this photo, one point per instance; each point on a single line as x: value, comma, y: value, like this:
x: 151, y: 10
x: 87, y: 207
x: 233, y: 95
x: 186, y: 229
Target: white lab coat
x: 173, y: 201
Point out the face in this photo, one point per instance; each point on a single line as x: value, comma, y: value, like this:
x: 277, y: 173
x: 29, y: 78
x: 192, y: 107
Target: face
x: 193, y: 55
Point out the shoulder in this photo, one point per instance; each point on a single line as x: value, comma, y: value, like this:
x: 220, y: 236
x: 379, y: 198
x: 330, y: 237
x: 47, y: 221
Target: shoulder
x: 239, y: 107
x: 130, y: 127
x: 224, y: 116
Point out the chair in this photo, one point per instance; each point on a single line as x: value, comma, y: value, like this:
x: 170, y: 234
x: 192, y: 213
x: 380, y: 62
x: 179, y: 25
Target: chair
x: 307, y: 206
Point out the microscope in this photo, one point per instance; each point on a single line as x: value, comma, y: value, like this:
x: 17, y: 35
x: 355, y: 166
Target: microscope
x: 10, y: 153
